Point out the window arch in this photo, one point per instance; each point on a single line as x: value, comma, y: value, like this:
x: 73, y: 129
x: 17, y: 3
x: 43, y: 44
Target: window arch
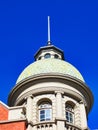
x: 45, y: 111
x: 69, y: 112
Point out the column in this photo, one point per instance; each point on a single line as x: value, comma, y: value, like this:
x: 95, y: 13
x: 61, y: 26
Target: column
x: 59, y: 111
x: 59, y: 104
x: 29, y: 112
x: 83, y: 116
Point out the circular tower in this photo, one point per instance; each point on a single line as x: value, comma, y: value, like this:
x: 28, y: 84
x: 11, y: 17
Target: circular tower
x: 53, y: 92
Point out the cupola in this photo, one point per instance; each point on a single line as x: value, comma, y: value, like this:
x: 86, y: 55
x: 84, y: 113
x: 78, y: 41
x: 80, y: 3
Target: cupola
x: 49, y: 51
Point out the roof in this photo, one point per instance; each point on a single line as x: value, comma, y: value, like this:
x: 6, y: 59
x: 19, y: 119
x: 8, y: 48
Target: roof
x: 50, y: 65
x: 49, y: 47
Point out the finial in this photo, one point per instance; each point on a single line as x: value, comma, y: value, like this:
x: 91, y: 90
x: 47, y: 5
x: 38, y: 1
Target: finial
x: 49, y: 30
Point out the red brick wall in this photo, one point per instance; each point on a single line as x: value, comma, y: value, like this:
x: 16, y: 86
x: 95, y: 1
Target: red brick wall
x: 9, y: 126
x: 13, y: 126
x: 3, y: 113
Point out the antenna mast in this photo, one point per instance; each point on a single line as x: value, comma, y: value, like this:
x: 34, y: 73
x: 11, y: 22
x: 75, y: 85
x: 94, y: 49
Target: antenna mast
x: 49, y: 30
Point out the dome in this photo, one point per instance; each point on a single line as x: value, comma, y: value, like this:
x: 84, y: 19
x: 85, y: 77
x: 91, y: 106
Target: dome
x: 50, y: 65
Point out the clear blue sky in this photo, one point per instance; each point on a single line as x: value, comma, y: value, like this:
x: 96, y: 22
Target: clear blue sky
x: 74, y: 29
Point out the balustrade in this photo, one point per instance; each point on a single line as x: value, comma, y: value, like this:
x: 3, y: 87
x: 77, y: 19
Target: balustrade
x: 51, y: 125
x: 45, y: 125
x: 72, y: 127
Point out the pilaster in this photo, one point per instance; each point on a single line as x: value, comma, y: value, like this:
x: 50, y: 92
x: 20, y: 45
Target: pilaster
x: 29, y: 111
x: 83, y: 116
x: 59, y: 111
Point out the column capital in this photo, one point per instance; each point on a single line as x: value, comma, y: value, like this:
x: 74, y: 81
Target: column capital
x: 81, y: 102
x: 29, y: 96
x: 59, y: 92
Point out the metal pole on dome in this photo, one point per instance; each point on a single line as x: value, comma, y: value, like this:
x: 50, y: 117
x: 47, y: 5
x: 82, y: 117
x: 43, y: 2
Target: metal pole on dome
x: 49, y: 30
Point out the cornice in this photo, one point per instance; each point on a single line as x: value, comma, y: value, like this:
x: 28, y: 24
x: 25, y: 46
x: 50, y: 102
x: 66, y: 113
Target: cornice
x: 50, y: 90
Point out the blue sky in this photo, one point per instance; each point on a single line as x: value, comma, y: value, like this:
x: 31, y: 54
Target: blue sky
x: 74, y: 29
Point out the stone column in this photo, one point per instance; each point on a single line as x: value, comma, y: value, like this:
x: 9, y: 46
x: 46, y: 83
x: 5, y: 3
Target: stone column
x: 59, y: 104
x: 83, y: 115
x: 29, y: 111
x: 59, y: 111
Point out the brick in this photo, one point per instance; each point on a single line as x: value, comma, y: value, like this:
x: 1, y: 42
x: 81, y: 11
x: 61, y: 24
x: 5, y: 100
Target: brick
x: 3, y: 113
x: 13, y: 126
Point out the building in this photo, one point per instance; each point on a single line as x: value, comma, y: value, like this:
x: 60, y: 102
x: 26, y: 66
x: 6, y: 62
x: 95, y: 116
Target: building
x: 50, y: 94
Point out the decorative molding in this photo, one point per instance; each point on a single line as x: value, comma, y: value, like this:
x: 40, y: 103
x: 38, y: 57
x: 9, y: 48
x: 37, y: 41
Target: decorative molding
x: 60, y: 119
x: 49, y: 90
x: 51, y: 77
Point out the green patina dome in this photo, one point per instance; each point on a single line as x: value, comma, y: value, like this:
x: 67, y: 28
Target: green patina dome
x: 50, y: 66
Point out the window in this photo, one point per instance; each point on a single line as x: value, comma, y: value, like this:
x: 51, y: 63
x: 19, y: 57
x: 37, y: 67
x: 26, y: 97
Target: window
x: 39, y: 58
x: 47, y: 55
x: 69, y: 113
x: 56, y: 56
x: 45, y: 111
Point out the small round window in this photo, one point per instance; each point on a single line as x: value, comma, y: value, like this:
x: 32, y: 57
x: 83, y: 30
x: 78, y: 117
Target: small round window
x: 47, y: 55
x: 56, y: 56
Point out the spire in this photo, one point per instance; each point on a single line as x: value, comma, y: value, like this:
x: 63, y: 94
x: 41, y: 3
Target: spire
x: 49, y: 30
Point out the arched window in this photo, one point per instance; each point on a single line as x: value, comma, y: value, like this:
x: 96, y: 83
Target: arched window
x: 56, y: 56
x: 45, y: 111
x: 47, y: 55
x: 69, y: 111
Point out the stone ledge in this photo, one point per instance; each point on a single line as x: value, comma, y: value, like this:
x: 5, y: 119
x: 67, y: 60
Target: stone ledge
x: 12, y: 121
